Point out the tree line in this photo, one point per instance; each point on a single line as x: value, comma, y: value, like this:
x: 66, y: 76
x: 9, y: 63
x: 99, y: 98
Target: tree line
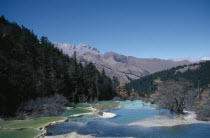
x: 32, y: 68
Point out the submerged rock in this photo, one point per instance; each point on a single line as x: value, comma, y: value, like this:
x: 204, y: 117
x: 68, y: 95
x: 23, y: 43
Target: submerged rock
x: 108, y: 129
x: 64, y: 128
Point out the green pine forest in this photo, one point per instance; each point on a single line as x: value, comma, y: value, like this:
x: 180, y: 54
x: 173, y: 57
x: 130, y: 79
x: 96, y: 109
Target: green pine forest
x: 32, y: 67
x: 200, y: 78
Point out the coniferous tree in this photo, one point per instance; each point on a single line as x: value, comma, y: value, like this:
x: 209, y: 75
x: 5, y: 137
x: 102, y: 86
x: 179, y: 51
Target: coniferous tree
x: 32, y: 68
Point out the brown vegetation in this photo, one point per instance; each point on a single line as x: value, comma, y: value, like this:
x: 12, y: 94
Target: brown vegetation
x: 134, y: 93
x: 203, y: 106
x: 173, y: 96
x: 45, y: 106
x: 122, y: 92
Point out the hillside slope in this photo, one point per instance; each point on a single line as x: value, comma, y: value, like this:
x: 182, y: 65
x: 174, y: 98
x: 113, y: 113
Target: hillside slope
x: 198, y: 73
x: 32, y: 68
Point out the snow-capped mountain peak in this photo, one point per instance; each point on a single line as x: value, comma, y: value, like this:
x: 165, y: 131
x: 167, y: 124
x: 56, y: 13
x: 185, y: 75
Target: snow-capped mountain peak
x: 205, y: 58
x: 80, y: 49
x: 193, y: 59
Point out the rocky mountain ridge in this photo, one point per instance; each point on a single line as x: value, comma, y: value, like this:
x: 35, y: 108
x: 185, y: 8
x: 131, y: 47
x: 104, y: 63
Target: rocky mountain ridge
x: 126, y: 68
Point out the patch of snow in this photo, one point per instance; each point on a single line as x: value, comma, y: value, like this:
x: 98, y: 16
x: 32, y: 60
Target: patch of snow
x: 192, y: 59
x: 80, y: 49
x: 205, y: 58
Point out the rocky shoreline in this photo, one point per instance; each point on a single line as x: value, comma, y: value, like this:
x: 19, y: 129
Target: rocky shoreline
x: 43, y: 128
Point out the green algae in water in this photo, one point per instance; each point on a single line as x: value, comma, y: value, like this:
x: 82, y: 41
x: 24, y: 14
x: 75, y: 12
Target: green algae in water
x: 31, y: 123
x: 19, y: 133
x: 25, y: 128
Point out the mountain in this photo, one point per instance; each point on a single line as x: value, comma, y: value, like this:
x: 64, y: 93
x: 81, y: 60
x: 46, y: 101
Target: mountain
x: 192, y: 59
x: 125, y: 68
x: 197, y: 73
x: 81, y: 49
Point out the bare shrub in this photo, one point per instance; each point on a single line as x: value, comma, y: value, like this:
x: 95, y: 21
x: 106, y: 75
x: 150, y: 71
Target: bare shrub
x: 1, y: 119
x: 203, y: 113
x: 173, y: 96
x: 106, y: 106
x: 133, y: 98
x: 117, y: 99
x: 44, y: 106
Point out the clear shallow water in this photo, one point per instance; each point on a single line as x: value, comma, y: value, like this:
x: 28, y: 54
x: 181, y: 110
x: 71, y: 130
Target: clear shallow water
x: 128, y: 113
x: 124, y: 116
x: 138, y: 104
x: 181, y: 131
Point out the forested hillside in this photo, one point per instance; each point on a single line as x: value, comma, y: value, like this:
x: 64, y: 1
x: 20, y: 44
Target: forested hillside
x: 31, y: 68
x: 198, y: 74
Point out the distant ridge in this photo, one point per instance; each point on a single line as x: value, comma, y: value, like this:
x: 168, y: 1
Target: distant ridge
x: 192, y: 59
x: 126, y: 68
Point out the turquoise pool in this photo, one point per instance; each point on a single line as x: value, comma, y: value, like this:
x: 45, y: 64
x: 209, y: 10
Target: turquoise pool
x: 130, y: 111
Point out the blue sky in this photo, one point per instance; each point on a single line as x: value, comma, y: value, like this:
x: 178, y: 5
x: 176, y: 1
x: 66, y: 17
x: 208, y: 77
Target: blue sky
x: 142, y: 28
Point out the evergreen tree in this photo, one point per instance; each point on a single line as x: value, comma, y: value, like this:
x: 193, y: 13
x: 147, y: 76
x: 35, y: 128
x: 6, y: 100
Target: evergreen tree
x: 32, y: 68
x: 197, y: 73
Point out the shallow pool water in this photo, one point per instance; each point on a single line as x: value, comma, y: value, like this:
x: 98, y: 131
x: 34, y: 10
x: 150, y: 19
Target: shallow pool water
x: 137, y: 104
x: 130, y: 111
x: 104, y: 129
x: 124, y: 116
